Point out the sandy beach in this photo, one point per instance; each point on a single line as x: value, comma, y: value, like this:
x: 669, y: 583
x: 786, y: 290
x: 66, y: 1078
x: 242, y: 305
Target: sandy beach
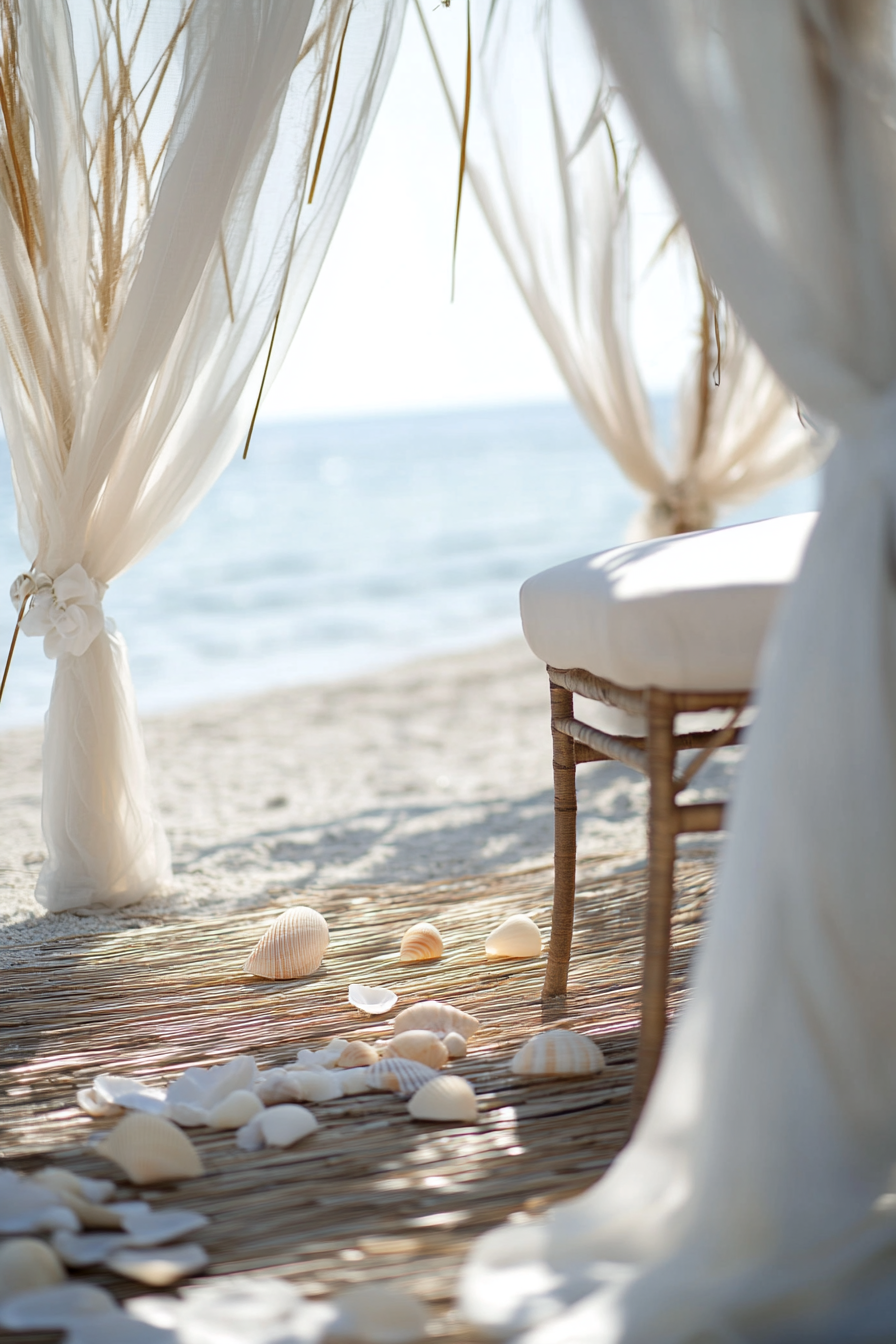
x: 440, y: 767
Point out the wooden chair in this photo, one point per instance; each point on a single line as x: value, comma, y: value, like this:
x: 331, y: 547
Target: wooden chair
x: 651, y: 629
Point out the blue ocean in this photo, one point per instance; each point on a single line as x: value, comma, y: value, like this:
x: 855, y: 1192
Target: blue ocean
x: 341, y: 546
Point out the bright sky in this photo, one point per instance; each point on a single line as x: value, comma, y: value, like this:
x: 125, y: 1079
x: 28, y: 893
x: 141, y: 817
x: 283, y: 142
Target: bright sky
x: 380, y: 333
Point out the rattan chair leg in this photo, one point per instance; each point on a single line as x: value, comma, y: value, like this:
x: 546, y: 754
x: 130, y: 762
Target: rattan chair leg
x: 657, y: 934
x: 564, y: 849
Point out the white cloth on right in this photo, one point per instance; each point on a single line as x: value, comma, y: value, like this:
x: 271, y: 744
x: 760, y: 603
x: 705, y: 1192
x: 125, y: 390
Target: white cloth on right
x: 754, y: 1201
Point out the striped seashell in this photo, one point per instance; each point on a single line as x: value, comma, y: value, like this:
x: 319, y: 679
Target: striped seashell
x: 293, y: 946
x: 446, y: 1097
x: 161, y: 1266
x: 558, y: 1052
x: 423, y: 1046
x: 519, y: 936
x: 455, y: 1045
x: 371, y: 999
x: 441, y: 1018
x: 149, y: 1148
x: 399, y: 1075
x: 378, y: 1315
x: 422, y: 942
x: 357, y: 1053
x: 26, y: 1264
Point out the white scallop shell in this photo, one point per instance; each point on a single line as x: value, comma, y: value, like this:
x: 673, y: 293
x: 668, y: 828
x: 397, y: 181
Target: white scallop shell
x: 399, y: 1075
x: 356, y: 1054
x: 27, y: 1263
x: 371, y: 999
x: 431, y: 1015
x: 234, y: 1111
x: 519, y: 936
x: 378, y: 1316
x: 293, y: 946
x: 455, y: 1045
x: 149, y: 1148
x: 557, y: 1052
x: 278, y: 1127
x: 61, y: 1179
x: 447, y: 1097
x: 26, y: 1206
x: 423, y: 1046
x: 422, y: 942
x: 159, y: 1267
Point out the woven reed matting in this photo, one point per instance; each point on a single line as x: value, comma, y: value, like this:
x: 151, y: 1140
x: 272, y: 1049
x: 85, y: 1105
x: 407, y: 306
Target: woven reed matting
x: 373, y: 1195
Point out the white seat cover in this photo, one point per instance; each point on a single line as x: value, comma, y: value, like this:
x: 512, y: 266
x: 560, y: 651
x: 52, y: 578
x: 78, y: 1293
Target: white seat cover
x: 689, y: 612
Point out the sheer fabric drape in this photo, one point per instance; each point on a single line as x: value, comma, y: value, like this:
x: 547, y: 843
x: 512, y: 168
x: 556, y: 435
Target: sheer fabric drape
x: 754, y: 1201
x: 552, y: 174
x: 156, y: 166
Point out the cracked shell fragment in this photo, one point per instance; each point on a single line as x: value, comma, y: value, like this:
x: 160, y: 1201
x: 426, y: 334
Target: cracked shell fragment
x: 160, y: 1266
x: 558, y: 1052
x: 293, y: 946
x: 519, y: 936
x: 26, y: 1206
x: 234, y: 1111
x: 447, y: 1097
x: 441, y: 1018
x: 371, y: 999
x: 422, y: 942
x: 276, y: 1127
x: 424, y: 1046
x: 26, y: 1263
x: 149, y: 1148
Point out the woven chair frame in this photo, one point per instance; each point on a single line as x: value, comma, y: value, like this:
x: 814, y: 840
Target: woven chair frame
x: 655, y: 756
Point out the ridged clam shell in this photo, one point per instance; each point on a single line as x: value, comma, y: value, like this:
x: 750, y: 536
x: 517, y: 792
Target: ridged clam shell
x: 423, y: 1046
x: 422, y: 942
x: 378, y: 1316
x: 399, y: 1075
x: 519, y: 936
x: 371, y: 999
x: 161, y: 1266
x: 149, y: 1148
x: 356, y: 1054
x: 26, y: 1264
x: 445, y: 1098
x: 431, y: 1015
x: 455, y: 1045
x: 556, y: 1052
x: 234, y: 1111
x: 292, y: 947
x: 277, y: 1127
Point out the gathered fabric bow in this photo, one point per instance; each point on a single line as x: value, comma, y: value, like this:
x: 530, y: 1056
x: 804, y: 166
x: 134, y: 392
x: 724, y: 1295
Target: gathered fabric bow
x: 67, y: 611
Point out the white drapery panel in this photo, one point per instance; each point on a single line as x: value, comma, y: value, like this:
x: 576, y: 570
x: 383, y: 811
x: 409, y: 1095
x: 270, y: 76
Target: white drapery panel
x: 755, y: 1200
x: 552, y: 177
x: 156, y: 163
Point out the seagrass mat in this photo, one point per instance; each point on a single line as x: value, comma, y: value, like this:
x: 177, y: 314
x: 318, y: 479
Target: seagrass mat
x: 373, y: 1195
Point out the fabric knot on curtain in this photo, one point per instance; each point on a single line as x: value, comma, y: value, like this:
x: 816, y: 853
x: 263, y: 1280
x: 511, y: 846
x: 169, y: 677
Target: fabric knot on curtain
x: 680, y: 508
x: 67, y: 611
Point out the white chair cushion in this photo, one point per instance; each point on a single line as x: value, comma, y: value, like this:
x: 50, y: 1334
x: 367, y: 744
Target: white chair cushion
x: 688, y: 613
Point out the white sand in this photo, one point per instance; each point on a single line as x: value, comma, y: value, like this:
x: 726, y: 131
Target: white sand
x: 437, y: 768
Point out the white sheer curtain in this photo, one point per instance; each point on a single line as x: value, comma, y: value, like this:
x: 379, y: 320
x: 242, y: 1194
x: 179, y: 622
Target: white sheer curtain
x: 550, y: 157
x: 755, y: 1200
x: 157, y: 160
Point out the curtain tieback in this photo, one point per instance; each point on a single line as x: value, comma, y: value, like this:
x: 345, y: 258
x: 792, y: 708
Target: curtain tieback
x: 67, y: 610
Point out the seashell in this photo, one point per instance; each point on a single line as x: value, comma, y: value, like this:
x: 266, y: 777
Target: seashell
x: 27, y: 1263
x: 557, y: 1052
x: 91, y: 1102
x: 519, y: 936
x: 378, y: 1316
x: 149, y: 1148
x: 90, y: 1248
x: 371, y: 999
x: 311, y: 1085
x: 399, y: 1075
x: 446, y: 1097
x: 26, y: 1206
x: 234, y: 1111
x: 198, y: 1091
x: 354, y: 1081
x: 160, y: 1267
x: 441, y: 1018
x: 455, y: 1045
x: 56, y: 1308
x: 155, y: 1227
x: 293, y: 946
x: 61, y: 1179
x: 357, y: 1053
x: 322, y: 1059
x: 422, y: 942
x: 423, y: 1046
x: 278, y: 1127
x: 129, y: 1093
x: 92, y: 1215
